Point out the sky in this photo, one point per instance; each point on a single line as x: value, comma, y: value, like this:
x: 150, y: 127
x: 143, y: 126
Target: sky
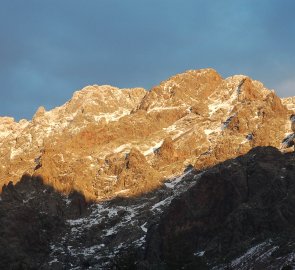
x: 49, y: 49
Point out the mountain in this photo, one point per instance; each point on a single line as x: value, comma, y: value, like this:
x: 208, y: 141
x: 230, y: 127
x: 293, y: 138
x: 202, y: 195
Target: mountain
x: 187, y: 174
x: 195, y: 118
x: 238, y: 214
x: 240, y: 203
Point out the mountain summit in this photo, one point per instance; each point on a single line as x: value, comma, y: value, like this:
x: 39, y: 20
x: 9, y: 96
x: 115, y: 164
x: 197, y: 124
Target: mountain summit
x: 195, y: 118
x: 197, y: 173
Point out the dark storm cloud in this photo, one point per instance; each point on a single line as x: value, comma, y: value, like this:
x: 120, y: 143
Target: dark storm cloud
x: 49, y: 49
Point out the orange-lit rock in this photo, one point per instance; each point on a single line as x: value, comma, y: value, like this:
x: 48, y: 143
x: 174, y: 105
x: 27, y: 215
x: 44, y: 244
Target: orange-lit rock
x: 106, y: 140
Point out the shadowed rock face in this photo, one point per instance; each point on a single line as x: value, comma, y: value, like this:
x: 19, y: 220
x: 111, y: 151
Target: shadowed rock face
x: 32, y: 215
x: 43, y: 229
x: 236, y: 215
x: 292, y: 119
x: 233, y: 206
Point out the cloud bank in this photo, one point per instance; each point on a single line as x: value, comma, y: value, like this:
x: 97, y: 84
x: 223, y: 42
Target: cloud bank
x: 49, y: 49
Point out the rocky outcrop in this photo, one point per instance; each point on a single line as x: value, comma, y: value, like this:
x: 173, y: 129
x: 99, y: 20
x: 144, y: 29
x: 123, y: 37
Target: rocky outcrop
x: 137, y: 175
x: 182, y: 90
x: 236, y: 215
x: 103, y: 168
x: 32, y: 215
x: 196, y: 117
x: 239, y: 204
x: 289, y: 103
x: 43, y: 229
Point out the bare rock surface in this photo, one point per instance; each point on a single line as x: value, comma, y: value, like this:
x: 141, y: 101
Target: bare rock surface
x: 89, y: 184
x: 196, y: 117
x: 238, y: 215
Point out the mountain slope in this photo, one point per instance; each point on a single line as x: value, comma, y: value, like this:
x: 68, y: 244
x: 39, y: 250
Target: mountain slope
x: 160, y: 179
x: 238, y: 215
x: 193, y: 118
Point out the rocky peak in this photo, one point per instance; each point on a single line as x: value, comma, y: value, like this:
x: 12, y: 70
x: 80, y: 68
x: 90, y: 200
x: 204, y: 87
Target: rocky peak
x: 102, y: 169
x: 182, y: 90
x: 167, y: 153
x: 137, y: 175
x: 194, y: 118
x: 135, y: 159
x: 105, y: 99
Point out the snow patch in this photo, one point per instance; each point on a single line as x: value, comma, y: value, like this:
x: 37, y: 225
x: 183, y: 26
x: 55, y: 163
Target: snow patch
x: 160, y: 108
x: 143, y: 227
x: 15, y: 152
x: 122, y: 191
x: 199, y: 254
x: 170, y: 128
x: 161, y: 203
x: 210, y: 131
x: 5, y: 133
x: 177, y: 179
x: 152, y: 149
x: 111, y: 231
x: 121, y: 148
x: 67, y: 200
x: 261, y: 251
x: 169, y: 85
x: 53, y: 261
x: 220, y: 104
x: 111, y: 117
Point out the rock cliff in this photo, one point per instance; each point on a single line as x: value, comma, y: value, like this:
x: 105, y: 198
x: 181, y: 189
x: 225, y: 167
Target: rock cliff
x: 196, y: 173
x: 196, y: 117
x: 238, y: 215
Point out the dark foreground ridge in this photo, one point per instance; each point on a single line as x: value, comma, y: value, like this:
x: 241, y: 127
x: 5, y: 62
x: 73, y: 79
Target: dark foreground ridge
x: 32, y: 216
x: 239, y: 214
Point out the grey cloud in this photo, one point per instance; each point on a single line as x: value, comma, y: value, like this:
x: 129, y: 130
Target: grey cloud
x: 50, y: 49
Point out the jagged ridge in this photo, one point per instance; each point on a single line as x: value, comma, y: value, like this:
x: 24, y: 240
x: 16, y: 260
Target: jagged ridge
x: 145, y: 149
x: 83, y: 144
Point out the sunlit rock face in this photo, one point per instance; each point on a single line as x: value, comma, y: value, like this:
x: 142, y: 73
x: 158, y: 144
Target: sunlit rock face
x: 106, y: 140
x: 238, y: 214
x: 289, y: 103
x: 159, y: 179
